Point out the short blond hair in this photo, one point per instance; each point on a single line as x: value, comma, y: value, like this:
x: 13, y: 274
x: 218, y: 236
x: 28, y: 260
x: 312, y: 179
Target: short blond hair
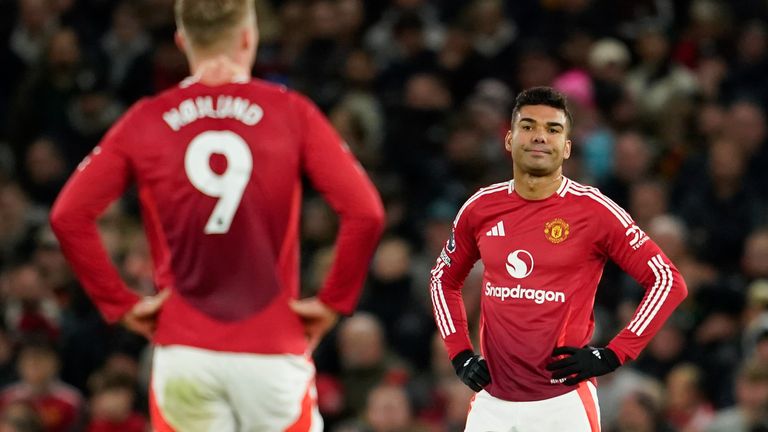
x: 206, y: 23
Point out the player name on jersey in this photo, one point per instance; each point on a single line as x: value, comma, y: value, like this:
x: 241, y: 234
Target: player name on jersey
x: 226, y: 106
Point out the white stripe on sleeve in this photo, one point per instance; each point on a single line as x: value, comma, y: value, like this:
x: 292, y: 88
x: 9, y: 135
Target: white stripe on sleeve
x: 668, y: 274
x: 656, y: 297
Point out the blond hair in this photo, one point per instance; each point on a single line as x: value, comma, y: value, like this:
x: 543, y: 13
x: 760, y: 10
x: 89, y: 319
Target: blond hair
x: 207, y: 23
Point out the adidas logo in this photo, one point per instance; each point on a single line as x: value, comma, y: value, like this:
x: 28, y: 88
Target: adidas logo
x: 597, y: 354
x: 497, y: 230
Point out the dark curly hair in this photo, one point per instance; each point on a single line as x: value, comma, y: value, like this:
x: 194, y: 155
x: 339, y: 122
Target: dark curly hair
x: 543, y: 96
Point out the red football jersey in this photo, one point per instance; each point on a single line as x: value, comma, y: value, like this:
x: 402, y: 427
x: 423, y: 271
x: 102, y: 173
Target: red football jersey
x: 542, y: 261
x: 218, y: 171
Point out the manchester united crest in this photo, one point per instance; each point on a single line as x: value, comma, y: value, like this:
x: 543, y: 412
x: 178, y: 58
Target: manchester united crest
x: 556, y: 230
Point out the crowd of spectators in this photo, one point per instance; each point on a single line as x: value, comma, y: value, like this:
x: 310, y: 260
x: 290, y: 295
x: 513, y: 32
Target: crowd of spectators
x: 669, y: 99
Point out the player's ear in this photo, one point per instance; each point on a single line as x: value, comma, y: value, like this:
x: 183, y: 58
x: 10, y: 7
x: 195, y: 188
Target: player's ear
x: 180, y: 40
x: 567, y: 149
x: 248, y: 38
x: 508, y: 141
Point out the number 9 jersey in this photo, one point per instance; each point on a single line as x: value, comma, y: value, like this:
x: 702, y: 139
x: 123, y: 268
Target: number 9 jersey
x: 218, y: 172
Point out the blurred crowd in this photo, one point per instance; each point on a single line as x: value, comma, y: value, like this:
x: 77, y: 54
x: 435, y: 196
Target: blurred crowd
x: 669, y: 99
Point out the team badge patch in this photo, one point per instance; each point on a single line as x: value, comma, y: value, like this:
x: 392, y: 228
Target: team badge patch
x: 451, y: 245
x: 556, y: 230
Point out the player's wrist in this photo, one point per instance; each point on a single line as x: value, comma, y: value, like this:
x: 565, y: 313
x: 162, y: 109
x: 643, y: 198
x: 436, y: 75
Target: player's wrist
x: 460, y: 359
x: 335, y: 308
x: 620, y: 352
x: 611, y: 359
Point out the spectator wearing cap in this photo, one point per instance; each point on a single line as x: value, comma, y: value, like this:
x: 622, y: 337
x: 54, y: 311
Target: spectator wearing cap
x: 608, y: 64
x: 608, y: 60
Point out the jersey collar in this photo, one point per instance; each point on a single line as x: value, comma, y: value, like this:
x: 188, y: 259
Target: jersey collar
x: 561, y: 191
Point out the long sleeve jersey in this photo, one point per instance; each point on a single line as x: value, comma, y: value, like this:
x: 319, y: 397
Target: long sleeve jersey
x: 542, y: 261
x: 219, y: 177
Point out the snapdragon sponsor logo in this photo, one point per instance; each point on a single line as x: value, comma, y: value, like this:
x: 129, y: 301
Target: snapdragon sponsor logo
x: 519, y: 264
x: 537, y: 295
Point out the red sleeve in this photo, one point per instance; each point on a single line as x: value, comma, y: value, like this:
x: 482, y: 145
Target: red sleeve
x: 629, y: 247
x: 337, y: 175
x: 454, y: 263
x: 99, y: 180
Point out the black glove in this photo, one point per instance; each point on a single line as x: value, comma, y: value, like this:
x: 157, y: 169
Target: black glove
x: 584, y: 362
x: 472, y: 369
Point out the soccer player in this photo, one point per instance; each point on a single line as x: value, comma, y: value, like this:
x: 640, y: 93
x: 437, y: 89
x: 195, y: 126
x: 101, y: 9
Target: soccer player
x: 543, y: 240
x: 218, y: 162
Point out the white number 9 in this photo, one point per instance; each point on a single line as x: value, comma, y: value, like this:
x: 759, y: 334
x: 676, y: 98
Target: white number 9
x: 228, y: 186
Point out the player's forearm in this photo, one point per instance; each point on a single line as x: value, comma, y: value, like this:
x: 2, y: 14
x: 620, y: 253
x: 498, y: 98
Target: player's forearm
x: 446, y: 281
x: 359, y: 233
x: 662, y: 296
x: 81, y: 246
x: 449, y: 311
x: 458, y: 343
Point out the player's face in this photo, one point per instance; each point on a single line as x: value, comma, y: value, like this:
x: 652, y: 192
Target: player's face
x: 538, y: 140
